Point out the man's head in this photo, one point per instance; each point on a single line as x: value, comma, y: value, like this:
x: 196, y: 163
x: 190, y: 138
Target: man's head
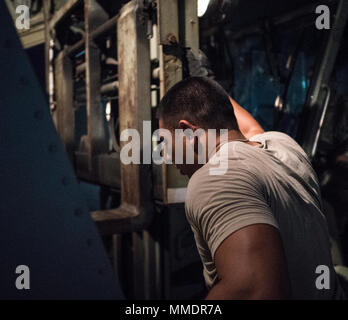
x: 196, y: 103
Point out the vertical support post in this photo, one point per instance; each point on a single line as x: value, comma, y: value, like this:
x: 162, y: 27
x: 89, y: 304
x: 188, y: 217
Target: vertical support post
x: 97, y: 144
x: 49, y: 70
x: 319, y: 92
x: 44, y: 220
x: 64, y: 99
x: 46, y: 10
x: 191, y: 26
x: 134, y: 93
x: 168, y: 28
x: 169, y: 14
x: 134, y: 75
x: 170, y: 66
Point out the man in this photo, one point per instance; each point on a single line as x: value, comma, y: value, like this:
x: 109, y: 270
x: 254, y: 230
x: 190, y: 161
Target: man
x: 258, y: 226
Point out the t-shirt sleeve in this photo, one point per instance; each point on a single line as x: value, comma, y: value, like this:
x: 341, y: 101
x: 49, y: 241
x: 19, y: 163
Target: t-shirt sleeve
x: 218, y: 206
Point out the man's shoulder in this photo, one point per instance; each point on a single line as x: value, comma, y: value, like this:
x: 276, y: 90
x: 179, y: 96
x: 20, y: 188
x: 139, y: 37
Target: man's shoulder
x: 272, y: 135
x: 205, y: 178
x: 200, y: 188
x: 279, y: 140
x: 208, y: 184
x: 198, y: 183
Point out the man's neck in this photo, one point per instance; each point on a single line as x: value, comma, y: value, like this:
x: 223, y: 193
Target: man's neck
x: 232, y: 135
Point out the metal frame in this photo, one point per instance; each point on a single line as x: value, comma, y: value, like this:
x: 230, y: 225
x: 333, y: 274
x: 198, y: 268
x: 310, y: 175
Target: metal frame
x: 137, y: 218
x: 92, y: 163
x: 62, y: 12
x: 96, y: 138
x: 64, y: 97
x: 134, y: 76
x: 318, y: 93
x: 171, y: 72
x: 44, y: 220
x: 35, y: 35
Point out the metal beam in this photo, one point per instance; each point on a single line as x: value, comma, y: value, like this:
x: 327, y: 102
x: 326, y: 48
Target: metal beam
x: 95, y: 34
x: 44, y: 220
x: 170, y: 73
x: 191, y: 26
x: 47, y: 17
x: 62, y: 12
x: 96, y: 135
x: 11, y: 9
x: 36, y: 33
x: 318, y: 93
x: 137, y: 209
x: 134, y: 74
x: 65, y: 112
x: 170, y: 66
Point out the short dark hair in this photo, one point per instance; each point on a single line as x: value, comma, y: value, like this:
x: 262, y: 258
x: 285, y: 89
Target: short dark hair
x: 201, y: 101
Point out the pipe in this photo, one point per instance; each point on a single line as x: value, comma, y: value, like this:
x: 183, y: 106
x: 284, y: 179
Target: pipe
x: 100, y: 31
x: 109, y: 87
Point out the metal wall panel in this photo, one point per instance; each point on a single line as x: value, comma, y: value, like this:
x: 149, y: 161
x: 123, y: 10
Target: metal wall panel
x: 44, y: 222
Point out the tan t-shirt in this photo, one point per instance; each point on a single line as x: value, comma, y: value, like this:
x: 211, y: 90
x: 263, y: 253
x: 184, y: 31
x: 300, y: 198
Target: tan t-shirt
x: 274, y: 184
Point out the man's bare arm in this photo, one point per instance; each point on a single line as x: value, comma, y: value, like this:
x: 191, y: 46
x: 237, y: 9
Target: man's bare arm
x: 247, y: 124
x: 251, y: 265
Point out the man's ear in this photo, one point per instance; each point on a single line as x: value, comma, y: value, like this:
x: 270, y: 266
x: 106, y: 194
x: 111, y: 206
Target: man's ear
x: 184, y: 124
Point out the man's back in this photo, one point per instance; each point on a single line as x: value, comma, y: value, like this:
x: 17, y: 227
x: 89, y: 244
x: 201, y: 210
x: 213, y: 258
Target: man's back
x: 271, y: 184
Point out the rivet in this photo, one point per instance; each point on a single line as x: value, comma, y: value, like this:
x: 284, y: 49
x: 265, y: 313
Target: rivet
x: 78, y: 212
x: 52, y: 148
x: 23, y: 81
x: 65, y: 181
x: 38, y: 114
x: 8, y: 43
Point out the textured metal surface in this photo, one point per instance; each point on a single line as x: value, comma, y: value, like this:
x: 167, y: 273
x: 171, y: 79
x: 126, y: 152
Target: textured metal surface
x: 95, y: 16
x: 171, y: 67
x: 134, y: 107
x: 95, y: 34
x: 134, y: 98
x: 168, y: 22
x: 191, y: 26
x: 44, y: 222
x: 107, y: 171
x: 317, y: 94
x: 65, y: 112
x: 136, y: 211
x: 63, y: 11
x: 35, y: 35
